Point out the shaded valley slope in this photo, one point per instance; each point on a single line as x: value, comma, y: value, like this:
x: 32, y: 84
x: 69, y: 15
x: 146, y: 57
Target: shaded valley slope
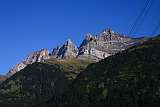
x: 128, y: 79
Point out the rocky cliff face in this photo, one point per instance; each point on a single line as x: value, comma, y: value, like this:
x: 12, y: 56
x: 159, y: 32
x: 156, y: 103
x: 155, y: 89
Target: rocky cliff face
x: 105, y: 44
x: 93, y: 47
x: 97, y: 47
x: 68, y: 50
x: 37, y: 56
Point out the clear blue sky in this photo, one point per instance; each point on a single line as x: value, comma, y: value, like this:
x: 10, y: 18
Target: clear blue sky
x: 29, y: 25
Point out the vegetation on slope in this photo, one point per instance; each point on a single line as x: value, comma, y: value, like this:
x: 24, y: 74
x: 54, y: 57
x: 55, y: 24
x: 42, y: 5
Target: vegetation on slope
x: 39, y: 82
x: 127, y: 79
x: 70, y: 67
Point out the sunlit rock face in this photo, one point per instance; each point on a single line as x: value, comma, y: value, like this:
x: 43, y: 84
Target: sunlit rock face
x: 37, y: 56
x: 17, y: 68
x: 105, y: 44
x: 66, y: 51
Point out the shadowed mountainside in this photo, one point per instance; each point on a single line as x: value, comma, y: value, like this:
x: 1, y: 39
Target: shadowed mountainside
x: 128, y: 79
x: 38, y: 82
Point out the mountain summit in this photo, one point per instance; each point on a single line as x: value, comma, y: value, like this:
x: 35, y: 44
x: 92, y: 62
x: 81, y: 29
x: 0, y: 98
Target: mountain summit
x: 66, y: 51
x: 93, y: 47
x: 105, y: 44
x: 37, y: 56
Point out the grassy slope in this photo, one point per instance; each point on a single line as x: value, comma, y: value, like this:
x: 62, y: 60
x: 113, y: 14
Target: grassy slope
x: 70, y: 67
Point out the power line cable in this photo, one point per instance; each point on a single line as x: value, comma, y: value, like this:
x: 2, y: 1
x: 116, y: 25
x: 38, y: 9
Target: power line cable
x: 139, y: 16
x: 144, y: 15
x: 146, y: 6
x: 156, y: 29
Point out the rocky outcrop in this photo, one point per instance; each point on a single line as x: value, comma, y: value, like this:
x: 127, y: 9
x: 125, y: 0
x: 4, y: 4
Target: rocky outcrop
x: 68, y: 50
x: 16, y: 68
x: 105, y: 44
x: 37, y: 56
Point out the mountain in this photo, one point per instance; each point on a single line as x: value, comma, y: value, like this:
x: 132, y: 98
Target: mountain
x: 105, y: 44
x: 129, y: 78
x: 37, y: 56
x: 67, y: 51
x: 93, y: 48
x: 126, y: 79
x: 38, y: 82
x: 35, y: 83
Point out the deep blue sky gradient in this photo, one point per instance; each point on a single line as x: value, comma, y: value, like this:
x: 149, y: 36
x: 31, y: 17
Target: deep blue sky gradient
x: 29, y: 25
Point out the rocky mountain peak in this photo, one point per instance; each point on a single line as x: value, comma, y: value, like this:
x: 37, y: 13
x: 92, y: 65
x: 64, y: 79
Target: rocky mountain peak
x: 107, y: 31
x: 107, y: 35
x: 69, y: 45
x: 103, y: 45
x: 97, y: 47
x: 89, y: 36
x: 37, y: 56
x: 69, y: 42
x: 68, y: 50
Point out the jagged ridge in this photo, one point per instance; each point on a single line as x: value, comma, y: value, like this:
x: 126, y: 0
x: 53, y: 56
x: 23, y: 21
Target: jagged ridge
x: 37, y: 56
x: 94, y: 48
